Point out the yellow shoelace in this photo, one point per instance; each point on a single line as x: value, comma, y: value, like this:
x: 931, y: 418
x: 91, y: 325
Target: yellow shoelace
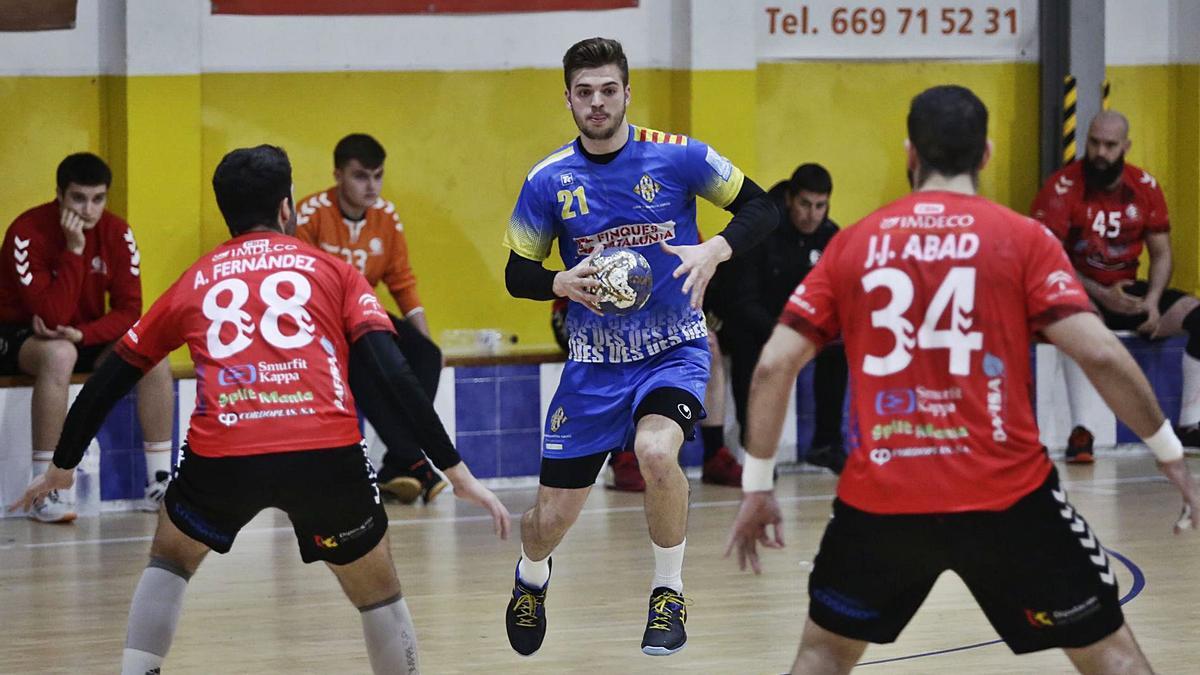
x: 526, y: 609
x: 663, y: 614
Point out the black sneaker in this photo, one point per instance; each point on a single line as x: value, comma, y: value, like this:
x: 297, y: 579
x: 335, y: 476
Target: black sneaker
x: 525, y: 617
x: 1079, y: 446
x: 664, y: 628
x: 832, y: 457
x: 432, y: 484
x: 1190, y: 437
x: 417, y: 480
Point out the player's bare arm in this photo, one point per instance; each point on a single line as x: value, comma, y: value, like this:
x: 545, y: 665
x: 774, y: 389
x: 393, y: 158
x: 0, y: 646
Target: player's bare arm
x: 1158, y: 248
x: 782, y: 358
x: 1125, y: 389
x: 1113, y: 297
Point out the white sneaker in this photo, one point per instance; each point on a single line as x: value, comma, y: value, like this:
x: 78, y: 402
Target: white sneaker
x: 52, y: 509
x: 155, y: 491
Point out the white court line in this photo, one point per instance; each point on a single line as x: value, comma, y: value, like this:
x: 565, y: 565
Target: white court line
x: 407, y: 522
x: 1083, y: 486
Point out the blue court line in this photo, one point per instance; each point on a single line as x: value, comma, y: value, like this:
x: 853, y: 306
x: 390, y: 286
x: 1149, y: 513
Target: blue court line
x: 1139, y: 584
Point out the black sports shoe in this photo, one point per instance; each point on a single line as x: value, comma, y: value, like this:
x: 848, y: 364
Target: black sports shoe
x: 400, y: 483
x: 432, y: 483
x: 1079, y: 446
x: 417, y: 480
x: 664, y: 628
x: 525, y: 617
x: 1190, y: 437
x: 832, y: 457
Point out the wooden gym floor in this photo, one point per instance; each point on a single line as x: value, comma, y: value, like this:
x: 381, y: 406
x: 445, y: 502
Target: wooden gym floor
x: 65, y: 590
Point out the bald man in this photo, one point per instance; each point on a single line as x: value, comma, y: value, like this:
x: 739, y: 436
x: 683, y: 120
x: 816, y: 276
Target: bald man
x: 1105, y: 210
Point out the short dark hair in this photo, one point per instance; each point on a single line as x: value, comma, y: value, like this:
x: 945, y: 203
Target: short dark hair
x: 362, y: 147
x: 811, y: 178
x: 594, y: 53
x: 249, y: 184
x: 83, y: 168
x: 947, y: 126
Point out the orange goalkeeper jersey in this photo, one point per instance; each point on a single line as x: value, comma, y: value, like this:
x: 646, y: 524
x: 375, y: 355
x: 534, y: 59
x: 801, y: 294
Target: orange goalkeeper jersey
x: 375, y: 245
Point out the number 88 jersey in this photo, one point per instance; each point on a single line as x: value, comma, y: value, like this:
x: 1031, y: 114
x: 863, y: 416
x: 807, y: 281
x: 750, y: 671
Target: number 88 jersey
x: 937, y: 296
x: 268, y: 320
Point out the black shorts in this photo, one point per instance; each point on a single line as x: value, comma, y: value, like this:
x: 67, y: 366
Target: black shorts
x: 580, y: 472
x: 1036, y: 569
x: 13, y: 337
x: 329, y: 495
x: 1116, y: 321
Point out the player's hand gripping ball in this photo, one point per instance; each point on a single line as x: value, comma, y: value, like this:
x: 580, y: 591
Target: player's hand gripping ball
x: 625, y: 280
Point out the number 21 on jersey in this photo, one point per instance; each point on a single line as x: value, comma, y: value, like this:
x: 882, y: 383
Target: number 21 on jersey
x: 568, y: 199
x: 956, y: 292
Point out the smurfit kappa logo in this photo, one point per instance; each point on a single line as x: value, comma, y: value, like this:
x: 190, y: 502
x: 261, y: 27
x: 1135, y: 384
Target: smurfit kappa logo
x: 230, y: 376
x: 895, y: 402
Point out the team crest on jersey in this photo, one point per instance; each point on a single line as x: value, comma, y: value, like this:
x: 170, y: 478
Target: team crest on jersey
x: 566, y: 178
x: 647, y: 188
x: 1132, y: 212
x: 558, y: 419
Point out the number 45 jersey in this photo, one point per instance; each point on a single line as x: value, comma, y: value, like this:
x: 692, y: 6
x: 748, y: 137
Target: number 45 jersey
x: 268, y: 320
x: 937, y: 297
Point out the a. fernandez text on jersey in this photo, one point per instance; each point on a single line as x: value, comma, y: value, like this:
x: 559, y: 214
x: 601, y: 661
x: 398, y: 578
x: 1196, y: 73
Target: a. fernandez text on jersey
x: 937, y: 296
x: 642, y: 197
x: 268, y: 320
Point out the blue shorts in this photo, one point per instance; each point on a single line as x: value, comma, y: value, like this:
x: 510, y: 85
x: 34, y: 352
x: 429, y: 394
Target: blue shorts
x: 592, y: 410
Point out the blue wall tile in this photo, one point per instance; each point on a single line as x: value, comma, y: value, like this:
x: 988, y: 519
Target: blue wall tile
x: 520, y: 453
x: 476, y: 407
x: 481, y: 452
x: 519, y: 403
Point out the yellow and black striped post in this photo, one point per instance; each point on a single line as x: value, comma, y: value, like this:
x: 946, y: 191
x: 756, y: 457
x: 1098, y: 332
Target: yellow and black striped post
x: 1068, y: 119
x: 1104, y: 95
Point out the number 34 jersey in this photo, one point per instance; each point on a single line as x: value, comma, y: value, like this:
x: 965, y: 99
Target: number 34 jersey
x: 268, y: 320
x: 937, y: 297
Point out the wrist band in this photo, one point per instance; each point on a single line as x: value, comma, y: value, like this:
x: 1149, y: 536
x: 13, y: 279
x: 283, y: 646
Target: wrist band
x: 1165, y: 444
x: 758, y: 475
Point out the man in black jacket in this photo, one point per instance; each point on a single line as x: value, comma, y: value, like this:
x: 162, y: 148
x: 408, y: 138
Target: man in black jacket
x: 749, y: 292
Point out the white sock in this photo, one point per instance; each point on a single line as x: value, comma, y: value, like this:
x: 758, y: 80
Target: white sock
x: 668, y: 567
x: 1189, y: 408
x: 391, y: 638
x: 41, y: 462
x: 158, y: 458
x: 138, y: 662
x: 534, y: 573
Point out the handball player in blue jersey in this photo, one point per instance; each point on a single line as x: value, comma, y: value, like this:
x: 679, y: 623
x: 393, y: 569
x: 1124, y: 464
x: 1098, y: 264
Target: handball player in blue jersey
x: 641, y: 375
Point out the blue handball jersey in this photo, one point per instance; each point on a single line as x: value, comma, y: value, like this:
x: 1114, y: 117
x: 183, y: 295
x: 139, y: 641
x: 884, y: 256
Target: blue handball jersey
x: 644, y: 196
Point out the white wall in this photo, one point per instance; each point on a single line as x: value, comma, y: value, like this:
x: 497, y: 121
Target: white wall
x: 145, y: 37
x: 1147, y: 32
